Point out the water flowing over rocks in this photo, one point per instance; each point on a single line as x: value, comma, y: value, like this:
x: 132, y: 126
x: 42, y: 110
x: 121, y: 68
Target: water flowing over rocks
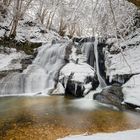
x: 60, y: 64
x: 82, y: 73
x: 39, y: 77
x: 72, y: 67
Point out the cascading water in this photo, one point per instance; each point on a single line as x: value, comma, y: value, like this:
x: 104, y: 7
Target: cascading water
x: 101, y: 80
x: 90, y: 50
x: 38, y: 77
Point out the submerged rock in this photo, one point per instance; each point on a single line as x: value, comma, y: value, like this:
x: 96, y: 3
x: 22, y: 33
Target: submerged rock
x: 111, y: 95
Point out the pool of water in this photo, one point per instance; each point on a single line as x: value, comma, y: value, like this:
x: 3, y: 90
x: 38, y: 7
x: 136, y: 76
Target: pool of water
x: 49, y: 118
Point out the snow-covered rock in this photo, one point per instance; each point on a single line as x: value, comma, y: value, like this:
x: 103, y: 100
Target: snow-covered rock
x: 28, y: 30
x: 124, y: 67
x: 131, y: 91
x: 125, y: 62
x: 35, y: 33
x: 77, y: 78
x: 12, y: 60
x: 79, y: 72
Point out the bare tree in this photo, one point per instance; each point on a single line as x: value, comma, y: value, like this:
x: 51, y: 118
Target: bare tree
x: 19, y: 9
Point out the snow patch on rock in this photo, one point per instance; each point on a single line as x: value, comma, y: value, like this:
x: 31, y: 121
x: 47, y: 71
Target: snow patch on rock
x: 79, y: 71
x: 131, y: 90
x: 11, y: 61
x: 118, y: 64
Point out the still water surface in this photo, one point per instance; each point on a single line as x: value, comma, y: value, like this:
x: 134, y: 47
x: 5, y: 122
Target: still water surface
x: 49, y: 118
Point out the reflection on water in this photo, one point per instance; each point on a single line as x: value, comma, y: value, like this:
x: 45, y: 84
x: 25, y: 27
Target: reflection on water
x: 48, y: 118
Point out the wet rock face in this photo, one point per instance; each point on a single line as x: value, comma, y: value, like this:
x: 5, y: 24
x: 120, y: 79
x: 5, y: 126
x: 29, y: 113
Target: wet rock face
x: 91, y: 58
x: 68, y: 51
x: 112, y: 95
x: 95, y: 82
x: 101, y: 58
x: 78, y: 89
x: 74, y: 89
x: 26, y: 62
x: 83, y: 40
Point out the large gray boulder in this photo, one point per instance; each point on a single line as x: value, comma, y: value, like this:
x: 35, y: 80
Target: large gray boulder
x: 112, y: 95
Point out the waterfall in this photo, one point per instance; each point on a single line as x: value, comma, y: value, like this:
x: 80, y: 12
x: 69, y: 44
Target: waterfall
x: 38, y: 78
x: 90, y: 51
x: 101, y: 80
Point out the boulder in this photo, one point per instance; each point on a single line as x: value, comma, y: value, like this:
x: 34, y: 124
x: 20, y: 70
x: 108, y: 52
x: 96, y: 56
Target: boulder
x: 77, y: 79
x: 112, y: 95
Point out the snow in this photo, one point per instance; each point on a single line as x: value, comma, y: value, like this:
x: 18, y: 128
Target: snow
x: 116, y: 63
x: 92, y: 92
x: 125, y: 135
x: 34, y: 34
x: 79, y: 71
x: 119, y: 66
x: 131, y: 90
x: 87, y: 87
x: 59, y: 89
x: 2, y: 32
x: 11, y: 61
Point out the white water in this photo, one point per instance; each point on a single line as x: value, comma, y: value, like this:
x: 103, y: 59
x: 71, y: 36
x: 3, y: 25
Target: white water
x: 101, y: 80
x: 38, y: 78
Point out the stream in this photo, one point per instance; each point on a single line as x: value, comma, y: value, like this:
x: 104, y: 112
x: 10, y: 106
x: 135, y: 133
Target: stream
x: 53, y: 117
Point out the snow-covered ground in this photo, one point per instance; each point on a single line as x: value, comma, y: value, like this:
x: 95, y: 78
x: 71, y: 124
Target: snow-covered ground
x: 125, y: 135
